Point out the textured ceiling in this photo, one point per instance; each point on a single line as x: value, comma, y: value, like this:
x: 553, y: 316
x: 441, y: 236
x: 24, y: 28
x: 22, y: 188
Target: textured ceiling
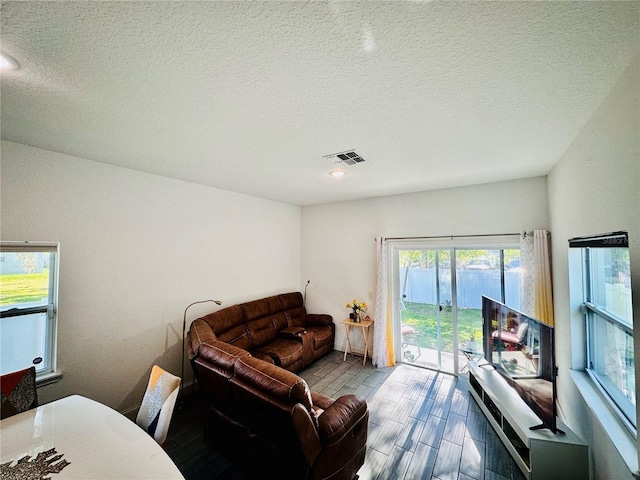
x: 249, y: 96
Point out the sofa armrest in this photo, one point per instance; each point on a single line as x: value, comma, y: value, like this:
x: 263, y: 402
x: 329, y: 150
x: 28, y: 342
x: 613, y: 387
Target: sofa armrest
x: 292, y: 332
x: 341, y: 417
x: 321, y: 401
x: 307, y: 433
x: 199, y: 333
x: 319, y: 319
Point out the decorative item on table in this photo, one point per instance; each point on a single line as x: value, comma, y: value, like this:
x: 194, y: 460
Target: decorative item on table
x: 357, y: 309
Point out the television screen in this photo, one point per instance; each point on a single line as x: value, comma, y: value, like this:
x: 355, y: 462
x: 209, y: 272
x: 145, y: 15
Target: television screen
x: 521, y: 348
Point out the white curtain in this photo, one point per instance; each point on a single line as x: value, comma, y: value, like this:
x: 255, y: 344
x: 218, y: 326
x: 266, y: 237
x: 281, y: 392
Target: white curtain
x: 383, y: 355
x: 527, y: 276
x: 536, y: 297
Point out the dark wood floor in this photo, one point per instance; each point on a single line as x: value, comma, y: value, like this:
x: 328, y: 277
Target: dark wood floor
x: 423, y: 425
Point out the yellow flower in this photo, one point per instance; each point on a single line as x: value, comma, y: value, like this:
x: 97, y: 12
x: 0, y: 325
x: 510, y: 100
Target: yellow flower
x: 355, y: 306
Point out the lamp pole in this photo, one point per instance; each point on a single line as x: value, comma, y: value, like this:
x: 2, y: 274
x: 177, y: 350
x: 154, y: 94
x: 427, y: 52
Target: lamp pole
x: 184, y: 327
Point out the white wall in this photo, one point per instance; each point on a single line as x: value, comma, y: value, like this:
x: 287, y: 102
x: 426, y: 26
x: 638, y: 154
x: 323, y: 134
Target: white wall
x: 136, y: 249
x: 338, y: 239
x: 595, y: 188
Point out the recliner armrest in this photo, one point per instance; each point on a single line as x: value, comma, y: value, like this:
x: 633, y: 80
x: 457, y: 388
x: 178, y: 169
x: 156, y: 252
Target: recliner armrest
x: 291, y: 332
x: 342, y: 416
x: 200, y: 332
x: 307, y: 433
x: 321, y: 401
x: 319, y: 319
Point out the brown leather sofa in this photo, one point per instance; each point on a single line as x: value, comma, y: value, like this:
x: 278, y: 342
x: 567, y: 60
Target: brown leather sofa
x: 257, y: 409
x: 275, y: 329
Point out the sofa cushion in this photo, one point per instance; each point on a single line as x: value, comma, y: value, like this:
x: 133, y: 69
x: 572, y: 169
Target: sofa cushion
x: 257, y: 316
x: 291, y: 300
x: 285, y: 352
x: 228, y: 326
x: 293, y: 306
x: 265, y: 357
x: 261, y: 331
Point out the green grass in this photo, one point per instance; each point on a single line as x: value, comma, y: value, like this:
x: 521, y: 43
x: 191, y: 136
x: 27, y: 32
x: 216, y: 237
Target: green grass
x: 24, y: 288
x: 422, y: 317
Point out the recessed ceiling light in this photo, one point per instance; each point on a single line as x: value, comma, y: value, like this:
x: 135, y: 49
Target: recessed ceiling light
x: 337, y: 173
x: 7, y: 63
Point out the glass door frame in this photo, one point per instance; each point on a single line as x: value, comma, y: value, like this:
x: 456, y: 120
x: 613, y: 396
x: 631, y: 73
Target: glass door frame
x: 451, y: 244
x: 393, y: 258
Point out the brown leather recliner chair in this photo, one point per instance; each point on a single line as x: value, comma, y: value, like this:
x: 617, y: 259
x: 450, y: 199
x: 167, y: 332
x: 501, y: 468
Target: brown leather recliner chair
x: 265, y: 416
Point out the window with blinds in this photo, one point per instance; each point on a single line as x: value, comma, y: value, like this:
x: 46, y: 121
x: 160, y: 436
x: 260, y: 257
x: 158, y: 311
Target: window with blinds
x: 607, y: 306
x: 28, y: 306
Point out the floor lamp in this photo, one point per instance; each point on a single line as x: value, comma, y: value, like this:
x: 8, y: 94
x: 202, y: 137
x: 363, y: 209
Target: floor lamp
x: 184, y: 327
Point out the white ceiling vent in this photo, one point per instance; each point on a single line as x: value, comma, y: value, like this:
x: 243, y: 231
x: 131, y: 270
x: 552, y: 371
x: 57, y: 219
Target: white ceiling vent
x: 345, y: 158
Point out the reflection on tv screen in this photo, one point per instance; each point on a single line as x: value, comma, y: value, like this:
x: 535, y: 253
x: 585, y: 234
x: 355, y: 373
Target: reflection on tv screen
x: 521, y: 348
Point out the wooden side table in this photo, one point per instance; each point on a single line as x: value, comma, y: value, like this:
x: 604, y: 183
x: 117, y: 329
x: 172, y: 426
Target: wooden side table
x: 364, y: 324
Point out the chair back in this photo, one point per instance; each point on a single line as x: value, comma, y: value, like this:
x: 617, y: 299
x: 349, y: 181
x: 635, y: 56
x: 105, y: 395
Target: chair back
x: 522, y: 331
x: 158, y: 404
x: 19, y: 392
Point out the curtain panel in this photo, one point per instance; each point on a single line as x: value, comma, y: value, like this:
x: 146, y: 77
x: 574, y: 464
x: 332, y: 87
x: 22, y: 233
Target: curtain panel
x: 383, y: 354
x: 536, y: 296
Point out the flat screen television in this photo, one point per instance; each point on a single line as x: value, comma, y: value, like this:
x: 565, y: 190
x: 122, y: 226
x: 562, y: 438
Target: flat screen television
x: 521, y: 348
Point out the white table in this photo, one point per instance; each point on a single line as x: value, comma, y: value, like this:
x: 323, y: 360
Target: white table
x: 97, y: 441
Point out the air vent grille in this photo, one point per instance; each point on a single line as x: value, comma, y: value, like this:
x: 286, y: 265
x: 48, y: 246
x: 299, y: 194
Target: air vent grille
x: 345, y: 158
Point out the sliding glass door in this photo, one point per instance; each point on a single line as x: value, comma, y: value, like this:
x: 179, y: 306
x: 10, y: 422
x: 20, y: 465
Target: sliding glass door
x: 425, y: 308
x: 437, y: 294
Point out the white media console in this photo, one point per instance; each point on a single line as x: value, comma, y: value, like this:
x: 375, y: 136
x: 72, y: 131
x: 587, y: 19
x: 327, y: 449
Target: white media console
x: 540, y: 454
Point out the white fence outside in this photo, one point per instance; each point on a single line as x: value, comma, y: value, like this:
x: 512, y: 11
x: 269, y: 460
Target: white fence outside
x: 471, y: 284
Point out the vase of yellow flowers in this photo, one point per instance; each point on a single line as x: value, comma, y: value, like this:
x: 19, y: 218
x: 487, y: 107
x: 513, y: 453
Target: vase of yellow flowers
x: 356, y: 309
